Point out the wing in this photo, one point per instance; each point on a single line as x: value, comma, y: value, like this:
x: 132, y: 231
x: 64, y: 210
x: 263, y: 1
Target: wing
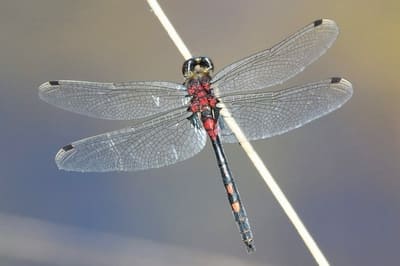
x: 265, y: 114
x: 162, y: 141
x: 117, y: 101
x: 281, y: 62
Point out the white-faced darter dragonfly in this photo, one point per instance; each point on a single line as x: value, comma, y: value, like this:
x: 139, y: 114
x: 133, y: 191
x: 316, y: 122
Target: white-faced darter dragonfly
x: 173, y: 120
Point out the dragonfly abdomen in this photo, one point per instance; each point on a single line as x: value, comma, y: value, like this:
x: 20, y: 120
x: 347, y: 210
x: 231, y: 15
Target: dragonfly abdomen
x: 237, y: 207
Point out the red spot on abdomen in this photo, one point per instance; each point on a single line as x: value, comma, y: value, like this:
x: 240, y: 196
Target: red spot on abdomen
x: 229, y: 188
x: 235, y: 206
x: 210, y: 126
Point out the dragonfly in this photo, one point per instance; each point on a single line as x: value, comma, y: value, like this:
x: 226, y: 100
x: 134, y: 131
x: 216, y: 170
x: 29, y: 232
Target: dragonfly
x: 172, y: 121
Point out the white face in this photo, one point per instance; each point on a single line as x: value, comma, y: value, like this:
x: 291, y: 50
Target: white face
x: 198, y: 69
x: 197, y: 72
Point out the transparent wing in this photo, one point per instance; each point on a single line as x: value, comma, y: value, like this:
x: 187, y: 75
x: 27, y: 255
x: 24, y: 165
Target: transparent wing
x: 279, y: 63
x: 117, y: 101
x: 162, y: 141
x: 265, y: 114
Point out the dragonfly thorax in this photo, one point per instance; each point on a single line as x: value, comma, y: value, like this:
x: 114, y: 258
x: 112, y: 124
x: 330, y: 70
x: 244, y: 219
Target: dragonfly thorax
x: 203, y: 103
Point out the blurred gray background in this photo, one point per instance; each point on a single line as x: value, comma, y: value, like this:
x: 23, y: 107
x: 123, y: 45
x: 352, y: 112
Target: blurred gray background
x: 340, y: 172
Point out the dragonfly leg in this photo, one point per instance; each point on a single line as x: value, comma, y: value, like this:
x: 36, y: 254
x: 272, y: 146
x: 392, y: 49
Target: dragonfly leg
x: 194, y: 120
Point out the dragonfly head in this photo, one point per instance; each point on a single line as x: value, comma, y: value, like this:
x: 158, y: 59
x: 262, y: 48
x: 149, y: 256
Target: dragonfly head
x: 197, y: 67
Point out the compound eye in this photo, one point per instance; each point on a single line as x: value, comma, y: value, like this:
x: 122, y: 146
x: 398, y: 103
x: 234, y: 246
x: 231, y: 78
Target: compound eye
x: 207, y: 64
x: 185, y: 68
x: 188, y: 67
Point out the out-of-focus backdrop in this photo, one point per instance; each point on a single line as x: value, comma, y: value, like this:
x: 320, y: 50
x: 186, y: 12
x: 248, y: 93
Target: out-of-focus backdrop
x: 340, y: 172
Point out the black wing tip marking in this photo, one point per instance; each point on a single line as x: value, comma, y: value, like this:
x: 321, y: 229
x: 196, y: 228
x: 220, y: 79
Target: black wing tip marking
x: 67, y: 147
x: 48, y: 86
x: 342, y: 85
x: 54, y: 83
x: 62, y: 157
x: 325, y: 22
x: 318, y: 22
x: 46, y: 89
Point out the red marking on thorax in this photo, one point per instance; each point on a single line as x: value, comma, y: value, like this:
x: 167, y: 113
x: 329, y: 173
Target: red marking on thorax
x: 204, y: 102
